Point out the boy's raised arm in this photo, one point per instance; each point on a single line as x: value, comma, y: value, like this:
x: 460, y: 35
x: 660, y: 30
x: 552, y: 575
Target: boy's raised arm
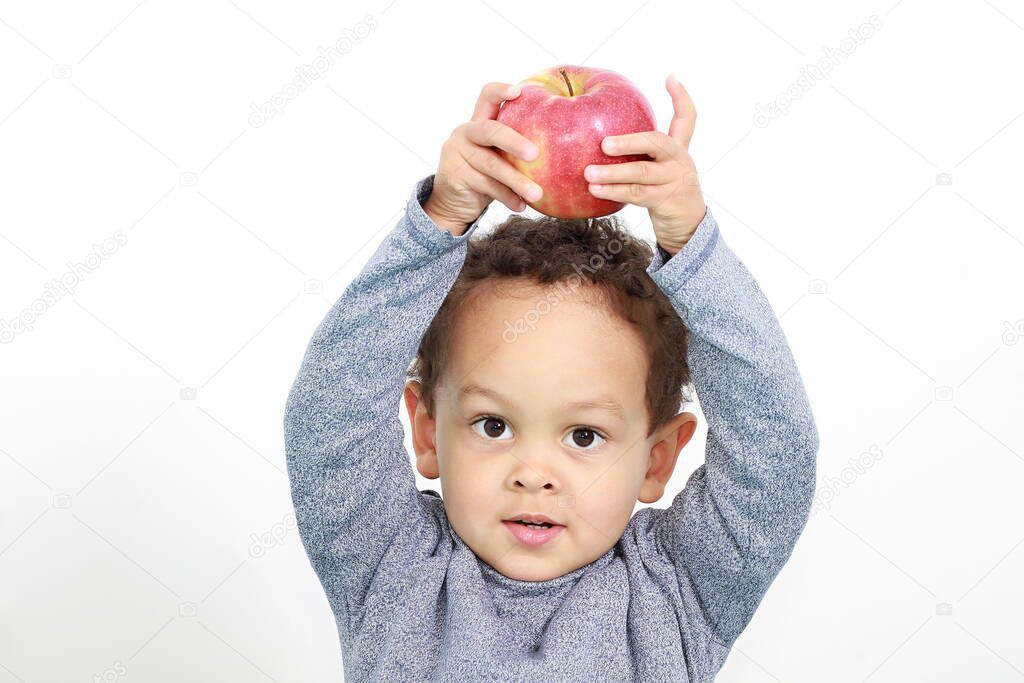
x: 352, y: 485
x: 355, y: 496
x: 731, y: 529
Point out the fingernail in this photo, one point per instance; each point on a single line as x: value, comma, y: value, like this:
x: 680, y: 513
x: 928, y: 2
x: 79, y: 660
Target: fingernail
x: 609, y: 145
x: 535, y: 193
x: 596, y: 189
x: 592, y: 173
x: 513, y: 91
x: 531, y: 153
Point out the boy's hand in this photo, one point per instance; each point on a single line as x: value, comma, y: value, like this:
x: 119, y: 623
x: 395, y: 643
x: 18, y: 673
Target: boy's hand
x: 471, y: 174
x: 668, y: 186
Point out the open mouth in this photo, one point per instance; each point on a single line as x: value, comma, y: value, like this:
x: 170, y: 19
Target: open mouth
x: 533, y: 533
x: 535, y: 525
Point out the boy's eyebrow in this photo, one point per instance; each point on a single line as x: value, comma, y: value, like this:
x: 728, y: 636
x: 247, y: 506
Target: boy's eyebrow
x: 604, y: 402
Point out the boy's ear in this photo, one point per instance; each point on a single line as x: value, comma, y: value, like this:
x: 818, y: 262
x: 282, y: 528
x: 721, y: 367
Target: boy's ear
x: 424, y: 430
x: 668, y: 442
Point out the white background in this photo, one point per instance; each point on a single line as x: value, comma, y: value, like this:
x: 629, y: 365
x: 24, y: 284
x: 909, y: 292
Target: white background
x: 148, y: 536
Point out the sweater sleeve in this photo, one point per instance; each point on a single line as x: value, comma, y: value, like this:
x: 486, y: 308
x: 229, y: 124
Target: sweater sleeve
x: 358, y: 510
x: 734, y: 525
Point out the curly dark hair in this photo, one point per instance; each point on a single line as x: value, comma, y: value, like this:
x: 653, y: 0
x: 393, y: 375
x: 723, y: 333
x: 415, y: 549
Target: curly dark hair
x: 596, y: 252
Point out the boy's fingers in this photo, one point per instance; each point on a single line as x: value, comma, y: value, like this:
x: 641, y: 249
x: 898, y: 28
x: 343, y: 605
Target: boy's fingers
x: 490, y: 99
x: 685, y: 113
x: 643, y: 172
x: 492, y: 188
x: 652, y: 143
x: 627, y: 193
x: 491, y: 165
x: 494, y: 134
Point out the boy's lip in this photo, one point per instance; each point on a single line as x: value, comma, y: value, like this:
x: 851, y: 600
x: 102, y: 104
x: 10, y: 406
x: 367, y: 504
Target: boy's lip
x: 532, y: 536
x: 536, y: 517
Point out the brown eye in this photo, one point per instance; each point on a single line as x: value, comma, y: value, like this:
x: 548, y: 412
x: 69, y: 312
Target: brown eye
x: 493, y: 427
x: 584, y: 437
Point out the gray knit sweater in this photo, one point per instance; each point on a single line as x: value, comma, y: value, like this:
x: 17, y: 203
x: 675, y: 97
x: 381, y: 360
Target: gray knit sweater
x: 414, y: 603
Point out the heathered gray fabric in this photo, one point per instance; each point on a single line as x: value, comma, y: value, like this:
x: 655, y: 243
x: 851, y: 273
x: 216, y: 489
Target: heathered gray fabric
x: 413, y: 602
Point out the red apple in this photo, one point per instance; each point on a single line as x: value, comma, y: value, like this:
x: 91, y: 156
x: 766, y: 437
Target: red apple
x: 566, y: 111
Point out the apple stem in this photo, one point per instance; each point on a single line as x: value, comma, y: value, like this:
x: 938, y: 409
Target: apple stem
x: 567, y: 83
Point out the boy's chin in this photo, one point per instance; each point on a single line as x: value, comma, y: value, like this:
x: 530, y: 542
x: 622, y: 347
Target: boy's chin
x: 524, y: 567
x: 533, y: 569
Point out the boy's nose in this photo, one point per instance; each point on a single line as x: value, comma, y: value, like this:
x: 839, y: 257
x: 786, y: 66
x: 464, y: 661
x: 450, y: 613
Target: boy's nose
x: 533, y: 477
x: 520, y: 484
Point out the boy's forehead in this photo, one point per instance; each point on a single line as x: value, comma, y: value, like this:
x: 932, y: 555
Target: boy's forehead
x: 606, y: 402
x: 539, y: 320
x: 529, y: 301
x: 539, y: 341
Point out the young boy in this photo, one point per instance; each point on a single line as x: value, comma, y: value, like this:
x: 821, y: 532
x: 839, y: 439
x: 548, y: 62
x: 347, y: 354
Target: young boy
x: 550, y: 359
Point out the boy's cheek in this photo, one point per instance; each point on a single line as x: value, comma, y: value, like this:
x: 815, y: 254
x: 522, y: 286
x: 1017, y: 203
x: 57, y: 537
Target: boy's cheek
x: 467, y: 473
x: 606, y: 506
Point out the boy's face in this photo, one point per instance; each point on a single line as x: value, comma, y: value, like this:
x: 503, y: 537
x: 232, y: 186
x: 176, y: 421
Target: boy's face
x: 506, y: 437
